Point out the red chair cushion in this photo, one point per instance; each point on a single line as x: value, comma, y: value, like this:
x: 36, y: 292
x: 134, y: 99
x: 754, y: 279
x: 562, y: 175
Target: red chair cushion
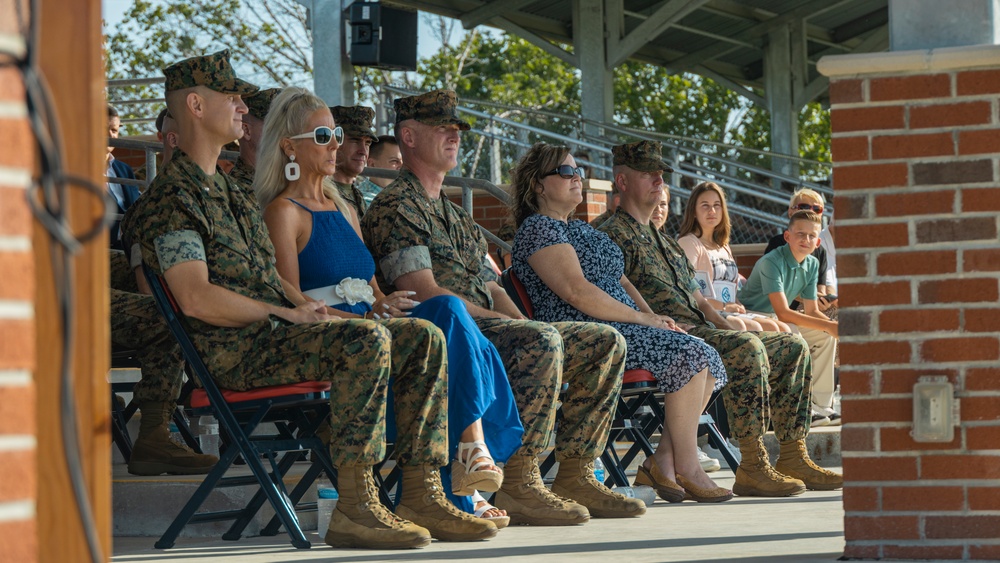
x: 200, y: 399
x: 634, y: 376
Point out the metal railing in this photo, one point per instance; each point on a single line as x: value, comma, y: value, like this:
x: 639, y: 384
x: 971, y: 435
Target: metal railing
x: 757, y: 209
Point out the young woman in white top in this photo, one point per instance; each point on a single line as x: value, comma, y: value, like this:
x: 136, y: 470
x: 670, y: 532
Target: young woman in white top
x: 704, y: 236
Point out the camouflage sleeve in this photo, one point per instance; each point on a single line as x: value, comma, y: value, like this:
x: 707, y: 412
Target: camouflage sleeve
x: 404, y: 261
x: 177, y: 247
x: 488, y: 273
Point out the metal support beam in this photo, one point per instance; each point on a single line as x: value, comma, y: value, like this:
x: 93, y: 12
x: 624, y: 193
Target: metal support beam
x: 596, y: 86
x: 536, y: 40
x: 811, y: 91
x: 669, y: 12
x: 490, y: 10
x: 740, y: 89
x: 784, y: 117
x: 333, y: 75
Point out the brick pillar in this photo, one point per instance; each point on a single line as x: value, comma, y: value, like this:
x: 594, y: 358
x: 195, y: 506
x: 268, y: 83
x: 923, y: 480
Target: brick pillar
x: 916, y: 149
x: 18, y: 483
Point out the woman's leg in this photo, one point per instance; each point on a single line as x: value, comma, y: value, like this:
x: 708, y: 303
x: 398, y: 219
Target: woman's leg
x: 751, y: 324
x: 682, y: 410
x: 736, y: 322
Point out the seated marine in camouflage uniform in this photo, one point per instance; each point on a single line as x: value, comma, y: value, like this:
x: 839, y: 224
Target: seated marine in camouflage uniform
x: 352, y: 156
x: 204, y: 234
x: 769, y: 372
x: 253, y: 129
x: 422, y: 242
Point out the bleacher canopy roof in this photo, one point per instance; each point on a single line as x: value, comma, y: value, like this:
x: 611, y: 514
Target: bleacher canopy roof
x: 722, y: 39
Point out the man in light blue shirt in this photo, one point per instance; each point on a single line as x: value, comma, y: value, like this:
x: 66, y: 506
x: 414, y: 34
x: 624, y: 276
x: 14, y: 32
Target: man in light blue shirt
x: 791, y: 272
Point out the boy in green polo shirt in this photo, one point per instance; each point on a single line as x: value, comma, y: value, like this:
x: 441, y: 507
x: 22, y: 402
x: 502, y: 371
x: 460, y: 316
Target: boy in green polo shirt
x: 790, y: 272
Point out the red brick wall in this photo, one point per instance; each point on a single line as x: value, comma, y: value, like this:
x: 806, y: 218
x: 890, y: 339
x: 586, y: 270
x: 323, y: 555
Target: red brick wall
x: 18, y: 541
x: 916, y: 181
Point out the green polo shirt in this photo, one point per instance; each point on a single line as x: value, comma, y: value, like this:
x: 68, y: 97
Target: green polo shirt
x: 778, y: 271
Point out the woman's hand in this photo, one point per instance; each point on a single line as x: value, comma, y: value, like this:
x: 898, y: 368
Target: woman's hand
x: 396, y: 304
x: 657, y: 321
x: 735, y: 308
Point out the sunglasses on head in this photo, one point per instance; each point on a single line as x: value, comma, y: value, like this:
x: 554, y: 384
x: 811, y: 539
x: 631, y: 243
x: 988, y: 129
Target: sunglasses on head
x: 815, y: 208
x: 322, y: 135
x: 566, y: 171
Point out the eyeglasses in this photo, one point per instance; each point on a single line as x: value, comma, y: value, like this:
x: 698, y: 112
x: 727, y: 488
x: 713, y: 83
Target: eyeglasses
x: 566, y: 171
x: 322, y: 135
x: 815, y: 208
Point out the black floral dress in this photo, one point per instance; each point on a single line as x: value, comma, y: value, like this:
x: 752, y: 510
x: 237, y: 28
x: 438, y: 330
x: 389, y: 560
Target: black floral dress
x: 672, y: 357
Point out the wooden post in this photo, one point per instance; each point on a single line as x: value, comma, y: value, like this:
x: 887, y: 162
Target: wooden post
x: 72, y: 61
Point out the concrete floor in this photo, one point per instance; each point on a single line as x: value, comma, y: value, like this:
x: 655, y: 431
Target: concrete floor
x: 800, y: 529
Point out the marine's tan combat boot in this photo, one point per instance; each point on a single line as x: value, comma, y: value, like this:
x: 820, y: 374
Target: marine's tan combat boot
x: 794, y: 461
x: 423, y: 502
x: 154, y: 453
x: 361, y: 521
x: 756, y: 478
x: 527, y: 501
x: 576, y: 482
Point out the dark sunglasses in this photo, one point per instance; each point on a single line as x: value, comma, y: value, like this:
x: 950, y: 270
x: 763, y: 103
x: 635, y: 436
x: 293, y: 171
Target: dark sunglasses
x: 566, y: 171
x: 809, y: 206
x: 322, y: 135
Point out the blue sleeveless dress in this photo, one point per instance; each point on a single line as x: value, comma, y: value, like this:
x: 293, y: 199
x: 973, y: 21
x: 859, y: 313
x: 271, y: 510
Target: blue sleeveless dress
x: 477, y: 381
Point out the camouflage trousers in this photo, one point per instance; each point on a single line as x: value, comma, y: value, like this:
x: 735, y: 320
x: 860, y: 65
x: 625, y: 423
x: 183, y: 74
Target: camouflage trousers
x: 539, y: 358
x: 769, y: 375
x: 358, y: 357
x: 137, y: 325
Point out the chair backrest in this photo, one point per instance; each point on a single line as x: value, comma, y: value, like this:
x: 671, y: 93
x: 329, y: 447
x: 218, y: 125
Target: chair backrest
x: 519, y: 295
x: 171, y: 312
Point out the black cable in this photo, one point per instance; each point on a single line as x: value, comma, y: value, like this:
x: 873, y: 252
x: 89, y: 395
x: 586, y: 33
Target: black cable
x: 48, y: 199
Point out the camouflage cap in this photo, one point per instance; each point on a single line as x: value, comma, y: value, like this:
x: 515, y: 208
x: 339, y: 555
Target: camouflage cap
x: 260, y: 101
x: 439, y: 107
x: 644, y: 156
x: 212, y: 71
x: 355, y: 120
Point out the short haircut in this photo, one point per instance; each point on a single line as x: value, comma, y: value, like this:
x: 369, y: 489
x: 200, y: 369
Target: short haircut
x: 383, y: 140
x: 164, y: 113
x: 112, y: 112
x: 804, y: 215
x: 806, y: 192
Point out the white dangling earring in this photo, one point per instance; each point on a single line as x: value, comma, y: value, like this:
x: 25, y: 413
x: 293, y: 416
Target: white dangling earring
x: 292, y: 171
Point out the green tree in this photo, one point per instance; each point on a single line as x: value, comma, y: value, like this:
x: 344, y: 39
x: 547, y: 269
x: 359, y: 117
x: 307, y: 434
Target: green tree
x: 268, y: 39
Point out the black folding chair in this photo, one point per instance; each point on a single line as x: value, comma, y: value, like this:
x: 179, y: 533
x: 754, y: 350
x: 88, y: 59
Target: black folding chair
x: 639, y: 390
x: 296, y: 411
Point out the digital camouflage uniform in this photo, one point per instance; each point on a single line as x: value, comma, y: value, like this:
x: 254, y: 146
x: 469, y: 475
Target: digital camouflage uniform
x: 769, y: 372
x: 352, y: 195
x: 356, y: 122
x: 187, y: 215
x: 243, y: 173
x: 136, y: 324
x: 407, y: 231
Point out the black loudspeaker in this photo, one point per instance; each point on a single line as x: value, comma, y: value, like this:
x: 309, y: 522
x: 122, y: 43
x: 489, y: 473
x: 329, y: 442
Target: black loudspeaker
x: 383, y: 37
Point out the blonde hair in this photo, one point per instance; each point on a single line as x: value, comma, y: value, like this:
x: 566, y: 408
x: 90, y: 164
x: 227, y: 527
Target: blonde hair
x: 287, y: 116
x: 806, y: 192
x: 689, y: 224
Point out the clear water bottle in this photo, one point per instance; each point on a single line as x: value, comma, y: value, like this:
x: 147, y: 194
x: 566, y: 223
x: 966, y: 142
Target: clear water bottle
x: 326, y: 501
x: 599, y: 473
x: 175, y: 433
x: 208, y: 435
x: 646, y: 494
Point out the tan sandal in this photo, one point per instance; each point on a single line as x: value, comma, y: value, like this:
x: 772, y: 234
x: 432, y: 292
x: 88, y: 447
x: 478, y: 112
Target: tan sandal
x: 653, y: 477
x: 698, y: 494
x: 469, y: 475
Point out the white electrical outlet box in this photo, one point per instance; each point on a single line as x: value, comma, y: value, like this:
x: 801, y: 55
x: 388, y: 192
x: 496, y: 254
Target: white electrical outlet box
x: 933, y: 414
